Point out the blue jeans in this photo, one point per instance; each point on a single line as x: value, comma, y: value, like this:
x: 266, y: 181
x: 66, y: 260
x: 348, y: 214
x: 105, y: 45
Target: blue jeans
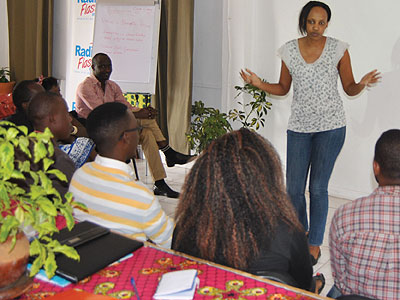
x: 316, y: 152
x: 334, y: 292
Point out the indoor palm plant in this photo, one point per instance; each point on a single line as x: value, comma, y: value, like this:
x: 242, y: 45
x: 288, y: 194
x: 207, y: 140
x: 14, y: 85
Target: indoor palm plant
x: 28, y: 199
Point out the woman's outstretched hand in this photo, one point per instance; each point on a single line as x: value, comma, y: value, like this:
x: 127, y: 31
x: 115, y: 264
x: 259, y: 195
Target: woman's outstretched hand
x: 250, y: 77
x: 370, y: 78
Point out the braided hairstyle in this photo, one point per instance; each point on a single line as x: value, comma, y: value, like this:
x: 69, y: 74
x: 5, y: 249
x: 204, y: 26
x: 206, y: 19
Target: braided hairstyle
x: 233, y: 199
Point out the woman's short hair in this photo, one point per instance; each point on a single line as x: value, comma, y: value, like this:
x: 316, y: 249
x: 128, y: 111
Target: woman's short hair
x: 233, y: 199
x: 105, y: 123
x: 305, y: 12
x: 387, y: 154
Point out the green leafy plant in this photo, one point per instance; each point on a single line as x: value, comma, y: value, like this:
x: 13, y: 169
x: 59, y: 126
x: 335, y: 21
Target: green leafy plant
x: 4, y: 73
x: 207, y: 124
x: 253, y: 114
x: 28, y: 198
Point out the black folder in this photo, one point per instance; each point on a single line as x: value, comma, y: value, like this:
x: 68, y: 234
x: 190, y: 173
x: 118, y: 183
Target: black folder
x: 97, y: 246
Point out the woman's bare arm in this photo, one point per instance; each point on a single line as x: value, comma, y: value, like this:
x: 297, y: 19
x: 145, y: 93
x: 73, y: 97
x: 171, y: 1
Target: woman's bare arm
x: 346, y: 76
x: 279, y: 89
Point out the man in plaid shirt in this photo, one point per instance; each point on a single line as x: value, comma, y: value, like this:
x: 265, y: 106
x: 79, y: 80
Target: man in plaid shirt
x: 364, y: 238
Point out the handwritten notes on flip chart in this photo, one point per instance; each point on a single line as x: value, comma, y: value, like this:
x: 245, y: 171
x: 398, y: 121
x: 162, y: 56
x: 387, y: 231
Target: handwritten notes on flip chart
x: 127, y: 34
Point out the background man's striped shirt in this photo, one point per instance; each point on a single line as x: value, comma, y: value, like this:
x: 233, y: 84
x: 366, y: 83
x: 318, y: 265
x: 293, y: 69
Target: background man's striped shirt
x: 115, y: 200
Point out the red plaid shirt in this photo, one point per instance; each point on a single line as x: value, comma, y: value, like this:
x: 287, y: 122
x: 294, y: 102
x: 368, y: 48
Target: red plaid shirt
x: 364, y: 243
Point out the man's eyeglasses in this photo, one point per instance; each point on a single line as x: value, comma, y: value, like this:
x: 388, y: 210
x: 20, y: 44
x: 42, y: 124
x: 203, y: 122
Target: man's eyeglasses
x: 130, y: 130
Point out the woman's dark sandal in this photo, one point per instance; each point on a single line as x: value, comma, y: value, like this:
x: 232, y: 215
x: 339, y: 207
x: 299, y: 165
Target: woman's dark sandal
x: 314, y: 260
x: 321, y: 278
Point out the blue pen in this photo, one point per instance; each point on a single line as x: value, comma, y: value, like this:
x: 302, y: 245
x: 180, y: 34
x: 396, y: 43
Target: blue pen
x: 133, y: 283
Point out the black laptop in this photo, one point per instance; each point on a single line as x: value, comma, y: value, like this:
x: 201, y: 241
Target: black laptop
x: 97, y: 246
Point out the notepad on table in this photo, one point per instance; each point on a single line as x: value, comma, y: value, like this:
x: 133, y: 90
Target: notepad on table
x: 177, y: 285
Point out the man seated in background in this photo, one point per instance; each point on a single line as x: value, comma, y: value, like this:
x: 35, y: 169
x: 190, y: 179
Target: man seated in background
x: 98, y: 89
x: 22, y: 94
x: 364, y: 238
x: 48, y: 110
x: 107, y: 185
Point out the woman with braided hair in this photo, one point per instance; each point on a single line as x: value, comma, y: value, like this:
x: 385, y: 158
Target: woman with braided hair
x: 234, y: 211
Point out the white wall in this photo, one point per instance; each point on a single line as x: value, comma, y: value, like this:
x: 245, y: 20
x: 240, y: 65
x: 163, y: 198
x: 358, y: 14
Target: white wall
x: 60, y: 41
x: 207, y: 52
x: 4, y: 53
x: 252, y: 30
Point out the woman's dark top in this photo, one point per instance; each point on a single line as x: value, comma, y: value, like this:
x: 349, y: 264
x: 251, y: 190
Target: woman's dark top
x: 287, y: 255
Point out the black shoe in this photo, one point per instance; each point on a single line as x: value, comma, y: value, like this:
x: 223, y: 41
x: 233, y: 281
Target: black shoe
x: 165, y: 190
x: 179, y: 159
x: 314, y: 260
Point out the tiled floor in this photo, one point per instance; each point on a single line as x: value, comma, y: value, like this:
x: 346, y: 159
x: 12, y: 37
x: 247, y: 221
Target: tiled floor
x: 175, y: 179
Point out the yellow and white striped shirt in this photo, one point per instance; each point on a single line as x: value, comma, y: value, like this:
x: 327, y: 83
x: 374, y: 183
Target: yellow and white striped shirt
x: 115, y: 200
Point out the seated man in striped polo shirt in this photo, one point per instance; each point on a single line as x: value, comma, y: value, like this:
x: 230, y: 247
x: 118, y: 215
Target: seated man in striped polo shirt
x: 107, y: 185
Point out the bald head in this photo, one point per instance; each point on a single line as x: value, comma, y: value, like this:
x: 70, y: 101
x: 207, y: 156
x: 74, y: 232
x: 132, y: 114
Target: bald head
x: 102, y: 67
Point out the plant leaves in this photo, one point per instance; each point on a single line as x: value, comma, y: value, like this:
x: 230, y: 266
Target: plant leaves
x: 60, y: 175
x: 12, y: 132
x: 47, y: 206
x: 67, y: 251
x: 47, y: 163
x: 17, y: 175
x: 45, y: 181
x: 9, y: 223
x: 50, y: 265
x: 46, y: 228
x: 4, y: 199
x: 68, y: 217
x: 40, y: 151
x: 19, y: 214
x: 36, y: 265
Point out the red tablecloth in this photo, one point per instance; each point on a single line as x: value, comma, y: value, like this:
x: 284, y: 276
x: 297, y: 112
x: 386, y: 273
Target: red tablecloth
x: 148, y: 264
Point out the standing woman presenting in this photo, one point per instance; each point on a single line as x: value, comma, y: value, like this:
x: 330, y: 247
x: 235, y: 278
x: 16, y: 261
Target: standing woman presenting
x: 317, y: 124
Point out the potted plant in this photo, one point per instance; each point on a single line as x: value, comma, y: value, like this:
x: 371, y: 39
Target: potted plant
x: 6, y: 86
x: 28, y: 201
x: 207, y: 124
x: 253, y: 114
